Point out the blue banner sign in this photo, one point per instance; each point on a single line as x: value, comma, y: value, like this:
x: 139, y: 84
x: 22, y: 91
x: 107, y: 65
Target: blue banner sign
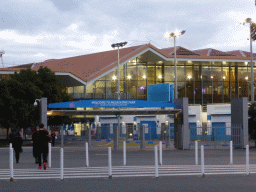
x: 161, y: 92
x: 111, y: 104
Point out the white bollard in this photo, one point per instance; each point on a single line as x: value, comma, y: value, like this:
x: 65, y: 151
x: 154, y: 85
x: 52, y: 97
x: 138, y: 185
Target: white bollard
x: 202, y: 160
x: 231, y: 152
x: 247, y: 160
x: 160, y: 153
x: 61, y: 164
x: 196, y: 152
x: 124, y: 152
x: 11, y: 162
x: 87, y: 154
x: 50, y: 154
x: 156, y: 162
x: 109, y: 163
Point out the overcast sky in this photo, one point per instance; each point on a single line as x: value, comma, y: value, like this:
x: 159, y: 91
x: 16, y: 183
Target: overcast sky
x: 37, y: 30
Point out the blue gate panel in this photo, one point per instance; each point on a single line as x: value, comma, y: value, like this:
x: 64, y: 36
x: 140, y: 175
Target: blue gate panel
x: 151, y: 129
x: 193, y: 132
x: 105, y: 134
x: 171, y: 130
x: 219, y: 131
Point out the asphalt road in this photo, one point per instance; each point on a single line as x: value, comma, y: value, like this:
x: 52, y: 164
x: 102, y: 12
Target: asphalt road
x: 227, y: 183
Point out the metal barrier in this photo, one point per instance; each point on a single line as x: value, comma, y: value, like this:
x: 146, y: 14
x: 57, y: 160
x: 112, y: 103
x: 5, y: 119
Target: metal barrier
x: 156, y: 170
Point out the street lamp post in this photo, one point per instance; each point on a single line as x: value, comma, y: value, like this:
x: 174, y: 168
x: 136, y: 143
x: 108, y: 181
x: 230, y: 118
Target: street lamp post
x: 118, y: 45
x: 174, y: 35
x: 116, y: 135
x: 250, y: 21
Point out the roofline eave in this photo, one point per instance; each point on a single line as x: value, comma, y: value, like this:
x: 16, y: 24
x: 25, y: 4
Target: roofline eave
x: 72, y: 76
x: 124, y: 62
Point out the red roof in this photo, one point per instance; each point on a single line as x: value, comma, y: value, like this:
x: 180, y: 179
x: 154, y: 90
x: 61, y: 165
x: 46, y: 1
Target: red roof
x: 88, y: 67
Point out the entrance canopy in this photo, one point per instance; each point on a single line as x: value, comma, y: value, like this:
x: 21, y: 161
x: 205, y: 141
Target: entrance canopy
x: 113, y: 103
x: 114, y: 112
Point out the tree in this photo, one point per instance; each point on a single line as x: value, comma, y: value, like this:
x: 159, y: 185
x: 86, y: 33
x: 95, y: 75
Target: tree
x: 19, y: 91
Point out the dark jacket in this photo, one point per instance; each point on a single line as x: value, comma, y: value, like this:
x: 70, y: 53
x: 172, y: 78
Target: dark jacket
x: 35, y: 143
x: 17, y: 142
x: 43, y: 140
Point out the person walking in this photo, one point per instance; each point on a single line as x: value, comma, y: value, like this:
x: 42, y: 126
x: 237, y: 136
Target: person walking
x: 17, y: 143
x: 43, y: 139
x: 53, y: 135
x: 35, y: 145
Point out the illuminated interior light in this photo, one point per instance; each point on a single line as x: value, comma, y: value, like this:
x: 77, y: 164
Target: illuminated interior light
x: 144, y: 77
x: 189, y: 77
x: 246, y: 78
x: 129, y: 77
x: 114, y: 77
x: 160, y: 76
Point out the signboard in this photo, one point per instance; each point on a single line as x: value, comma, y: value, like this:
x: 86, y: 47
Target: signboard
x: 113, y: 103
x: 161, y: 92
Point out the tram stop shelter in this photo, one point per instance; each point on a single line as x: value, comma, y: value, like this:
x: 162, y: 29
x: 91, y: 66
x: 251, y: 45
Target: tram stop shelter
x: 132, y: 107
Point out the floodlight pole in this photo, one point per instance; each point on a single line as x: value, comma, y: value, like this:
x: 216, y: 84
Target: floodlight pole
x: 118, y: 77
x: 252, y: 77
x: 116, y: 132
x: 249, y: 20
x: 174, y: 35
x: 175, y: 69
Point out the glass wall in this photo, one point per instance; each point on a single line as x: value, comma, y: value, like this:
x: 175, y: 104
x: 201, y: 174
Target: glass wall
x: 203, y: 82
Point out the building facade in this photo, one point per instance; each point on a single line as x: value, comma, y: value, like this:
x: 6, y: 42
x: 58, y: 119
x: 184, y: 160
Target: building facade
x: 205, y: 76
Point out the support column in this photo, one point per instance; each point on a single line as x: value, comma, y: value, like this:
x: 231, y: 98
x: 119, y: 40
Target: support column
x: 239, y: 122
x: 43, y: 111
x: 116, y: 134
x: 181, y: 128
x: 142, y: 137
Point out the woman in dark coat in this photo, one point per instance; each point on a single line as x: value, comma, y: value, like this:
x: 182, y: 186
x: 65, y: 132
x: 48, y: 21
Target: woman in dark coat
x: 16, y: 144
x: 43, y: 140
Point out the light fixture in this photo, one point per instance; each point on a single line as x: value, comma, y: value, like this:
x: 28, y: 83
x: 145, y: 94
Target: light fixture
x: 35, y: 103
x: 224, y: 77
x: 173, y: 35
x: 252, y: 37
x: 114, y: 77
x: 144, y: 76
x: 129, y: 77
x: 160, y: 76
x: 130, y: 134
x: 49, y: 112
x: 211, y: 77
x: 246, y: 63
x: 246, y: 78
x: 189, y: 77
